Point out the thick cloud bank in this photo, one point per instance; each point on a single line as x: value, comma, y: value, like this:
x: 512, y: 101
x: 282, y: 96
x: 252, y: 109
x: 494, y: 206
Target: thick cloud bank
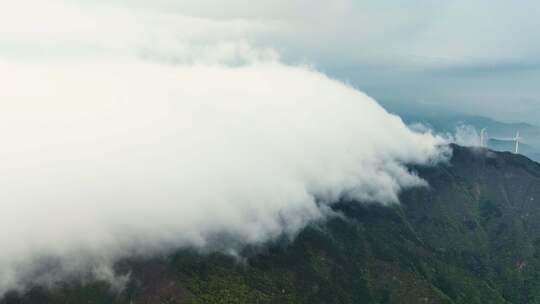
x: 104, y: 159
x: 110, y: 160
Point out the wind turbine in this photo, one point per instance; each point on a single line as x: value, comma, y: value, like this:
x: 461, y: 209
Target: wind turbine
x: 517, y: 139
x: 483, y: 137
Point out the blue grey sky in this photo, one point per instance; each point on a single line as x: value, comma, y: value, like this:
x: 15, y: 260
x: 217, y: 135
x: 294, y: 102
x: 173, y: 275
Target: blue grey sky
x: 475, y: 57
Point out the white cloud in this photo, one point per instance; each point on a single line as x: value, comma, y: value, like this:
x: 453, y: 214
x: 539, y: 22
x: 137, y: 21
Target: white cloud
x: 466, y: 135
x: 107, y: 154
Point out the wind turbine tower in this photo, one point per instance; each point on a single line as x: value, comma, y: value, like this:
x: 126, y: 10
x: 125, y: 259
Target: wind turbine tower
x: 483, y: 137
x: 517, y: 139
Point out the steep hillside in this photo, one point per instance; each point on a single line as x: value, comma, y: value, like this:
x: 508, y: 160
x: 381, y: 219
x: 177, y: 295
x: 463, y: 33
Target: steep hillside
x: 473, y: 236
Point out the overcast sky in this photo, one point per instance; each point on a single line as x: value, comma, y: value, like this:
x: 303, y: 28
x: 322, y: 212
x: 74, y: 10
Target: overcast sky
x: 481, y: 57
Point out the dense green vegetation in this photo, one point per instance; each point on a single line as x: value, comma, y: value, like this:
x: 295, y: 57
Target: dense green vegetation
x: 473, y: 236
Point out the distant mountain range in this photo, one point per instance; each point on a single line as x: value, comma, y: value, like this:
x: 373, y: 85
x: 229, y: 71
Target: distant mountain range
x: 472, y: 236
